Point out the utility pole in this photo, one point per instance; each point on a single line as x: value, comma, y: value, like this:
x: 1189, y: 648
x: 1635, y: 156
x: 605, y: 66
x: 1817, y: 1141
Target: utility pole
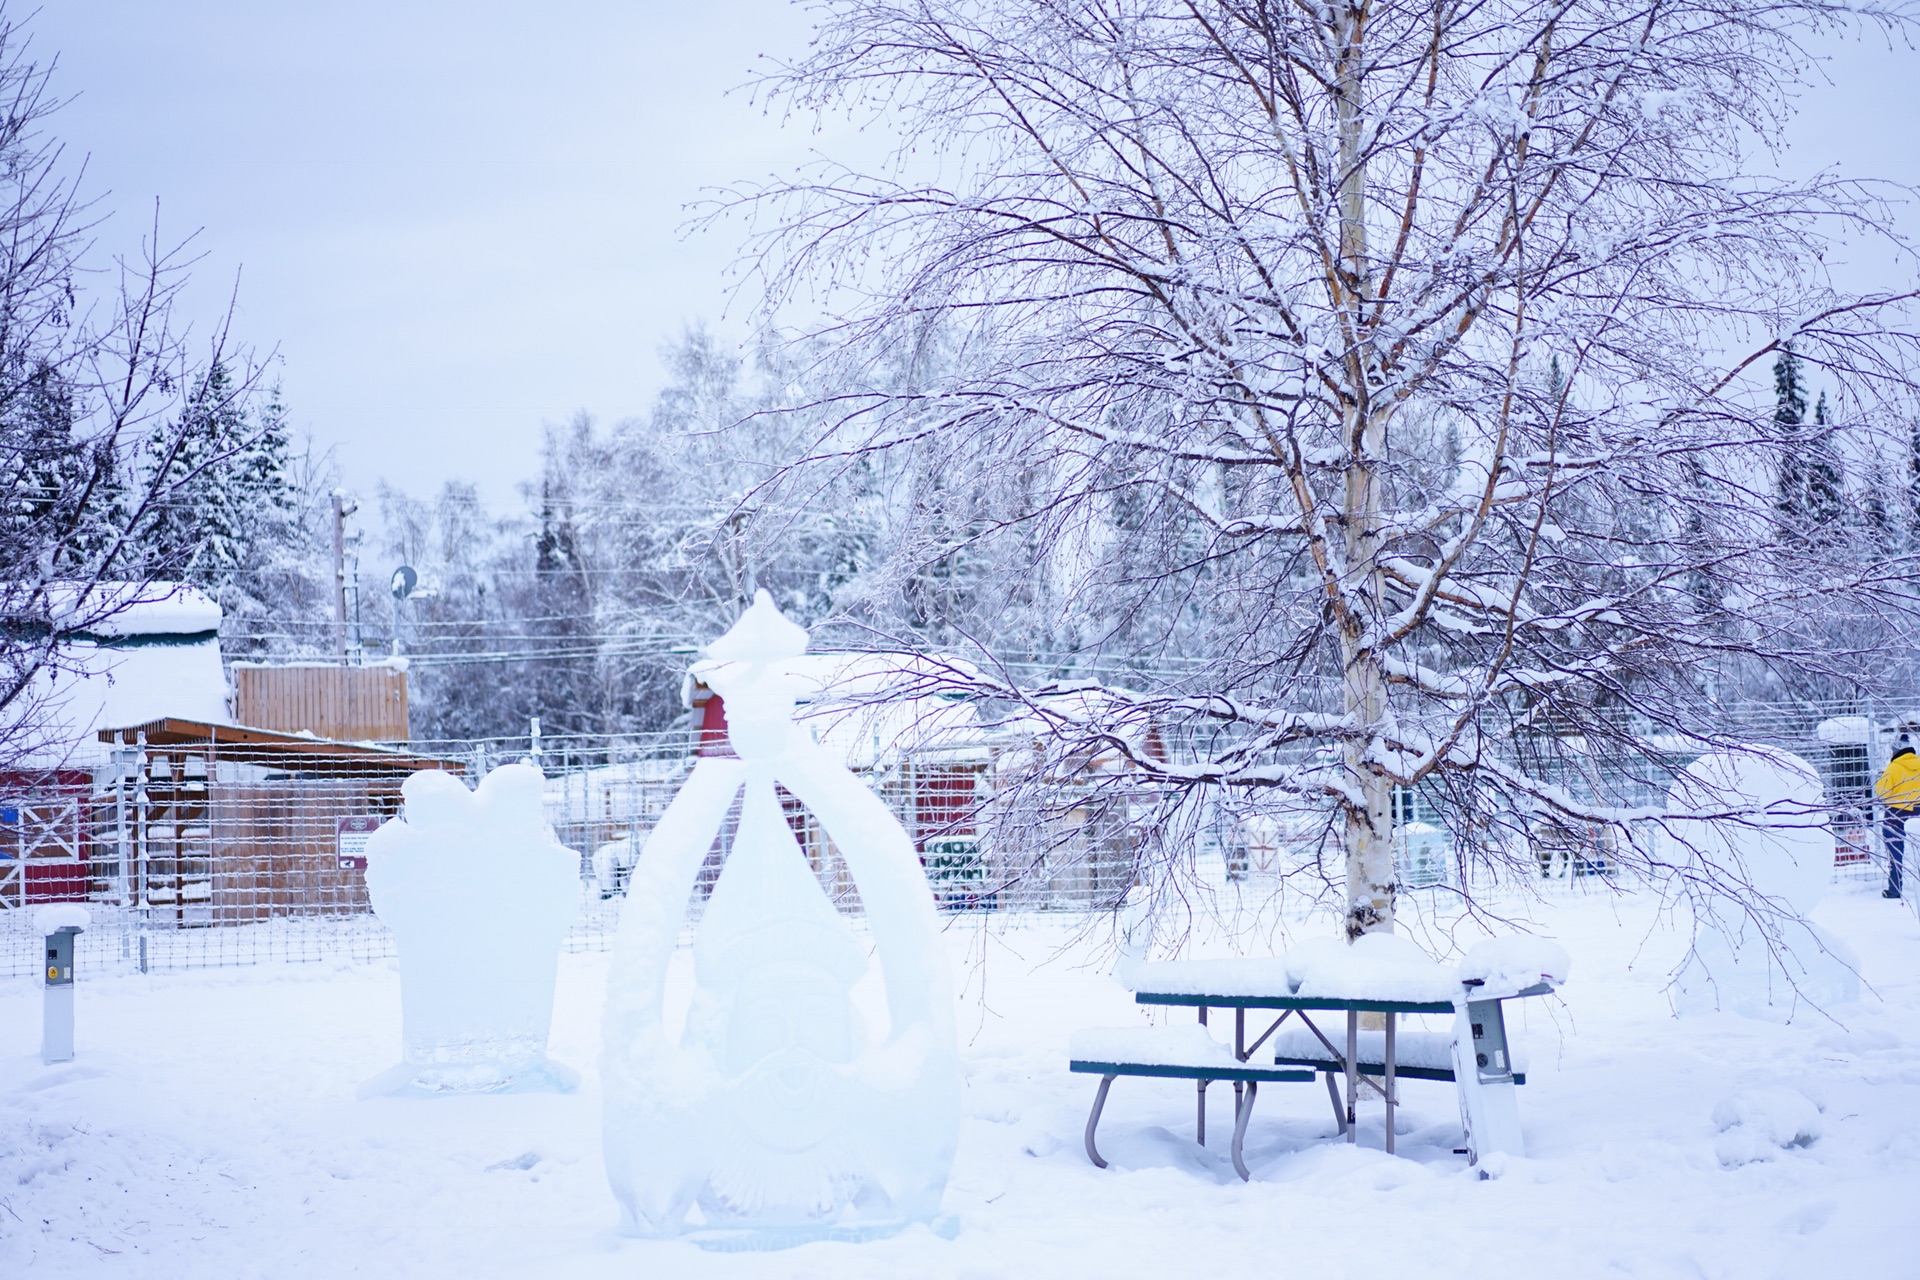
x: 343, y: 506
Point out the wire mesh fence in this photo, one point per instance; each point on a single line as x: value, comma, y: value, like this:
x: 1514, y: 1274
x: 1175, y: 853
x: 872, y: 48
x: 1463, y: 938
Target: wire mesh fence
x: 206, y: 845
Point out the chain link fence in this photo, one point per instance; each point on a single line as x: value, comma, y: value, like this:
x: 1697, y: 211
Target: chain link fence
x: 197, y: 851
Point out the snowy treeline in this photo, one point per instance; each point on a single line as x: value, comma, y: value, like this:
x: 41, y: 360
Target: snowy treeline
x: 641, y: 539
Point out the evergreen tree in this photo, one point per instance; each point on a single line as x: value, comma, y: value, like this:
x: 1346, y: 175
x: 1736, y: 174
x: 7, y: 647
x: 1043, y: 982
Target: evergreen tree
x: 561, y: 688
x: 54, y: 483
x: 1877, y: 533
x: 225, y: 485
x: 1913, y: 489
x: 1826, y: 498
x: 1789, y: 416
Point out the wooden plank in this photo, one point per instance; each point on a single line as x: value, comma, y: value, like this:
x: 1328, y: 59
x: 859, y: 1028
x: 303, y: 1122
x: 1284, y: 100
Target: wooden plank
x: 274, y: 849
x: 352, y: 704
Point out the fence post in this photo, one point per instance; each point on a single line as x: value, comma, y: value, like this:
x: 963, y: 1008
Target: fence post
x: 143, y: 903
x: 122, y: 852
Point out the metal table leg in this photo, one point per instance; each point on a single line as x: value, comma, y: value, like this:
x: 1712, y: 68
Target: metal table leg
x: 1333, y: 1096
x: 1200, y: 1107
x: 1392, y: 1093
x: 1093, y: 1120
x: 1240, y: 1055
x: 1243, y: 1111
x: 1353, y: 1073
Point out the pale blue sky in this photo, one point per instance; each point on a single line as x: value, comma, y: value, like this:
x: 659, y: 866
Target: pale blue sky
x: 454, y: 220
x: 458, y: 220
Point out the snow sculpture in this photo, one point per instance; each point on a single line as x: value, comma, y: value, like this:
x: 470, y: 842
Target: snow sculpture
x: 1762, y: 821
x: 776, y: 1111
x: 478, y: 894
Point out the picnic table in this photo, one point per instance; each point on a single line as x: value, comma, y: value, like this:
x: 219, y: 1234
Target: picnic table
x: 1236, y: 986
x: 1380, y: 975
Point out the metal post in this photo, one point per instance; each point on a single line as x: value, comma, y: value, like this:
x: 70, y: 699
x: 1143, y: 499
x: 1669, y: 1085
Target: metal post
x: 143, y: 903
x: 1353, y: 1073
x: 1874, y: 765
x: 1240, y: 1054
x: 1392, y: 1093
x: 356, y: 652
x: 1200, y: 1122
x: 123, y: 855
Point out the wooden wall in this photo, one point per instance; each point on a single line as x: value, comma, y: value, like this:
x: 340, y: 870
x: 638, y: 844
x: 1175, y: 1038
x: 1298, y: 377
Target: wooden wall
x: 346, y: 704
x: 274, y: 849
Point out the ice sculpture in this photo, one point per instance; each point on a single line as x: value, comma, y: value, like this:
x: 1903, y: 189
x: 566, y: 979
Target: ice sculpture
x: 1763, y: 826
x: 478, y: 894
x: 775, y: 1114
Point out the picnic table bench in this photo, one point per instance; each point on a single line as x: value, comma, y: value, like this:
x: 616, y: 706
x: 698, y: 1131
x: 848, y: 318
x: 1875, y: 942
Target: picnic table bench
x: 1174, y: 1053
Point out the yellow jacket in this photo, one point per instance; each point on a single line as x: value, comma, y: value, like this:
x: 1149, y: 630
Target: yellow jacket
x: 1899, y: 785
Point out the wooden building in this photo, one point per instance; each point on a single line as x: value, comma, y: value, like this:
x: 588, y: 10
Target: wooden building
x: 328, y: 700
x: 206, y: 823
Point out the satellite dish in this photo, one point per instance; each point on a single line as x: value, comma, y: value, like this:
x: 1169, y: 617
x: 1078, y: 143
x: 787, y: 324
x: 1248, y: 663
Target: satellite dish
x: 404, y: 581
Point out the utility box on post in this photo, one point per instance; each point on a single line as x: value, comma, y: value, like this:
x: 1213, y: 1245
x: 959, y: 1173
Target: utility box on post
x: 60, y: 925
x: 1483, y: 1073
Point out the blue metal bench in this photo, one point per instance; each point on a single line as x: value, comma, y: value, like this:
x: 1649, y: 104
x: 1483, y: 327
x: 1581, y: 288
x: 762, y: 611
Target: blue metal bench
x: 1174, y: 1053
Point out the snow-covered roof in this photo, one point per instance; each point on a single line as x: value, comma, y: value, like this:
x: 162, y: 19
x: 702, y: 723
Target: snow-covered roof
x: 1056, y: 717
x: 156, y: 655
x: 135, y: 609
x: 395, y: 662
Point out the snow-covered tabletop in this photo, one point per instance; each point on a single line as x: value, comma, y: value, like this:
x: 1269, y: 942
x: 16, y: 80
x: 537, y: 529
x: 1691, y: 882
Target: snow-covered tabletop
x: 1377, y: 969
x: 1252, y: 976
x: 1380, y: 972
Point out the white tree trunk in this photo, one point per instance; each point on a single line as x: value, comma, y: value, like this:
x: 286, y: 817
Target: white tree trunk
x: 1369, y: 823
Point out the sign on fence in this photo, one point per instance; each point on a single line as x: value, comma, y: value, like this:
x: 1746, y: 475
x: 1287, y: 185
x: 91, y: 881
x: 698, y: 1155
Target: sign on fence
x: 958, y: 876
x: 351, y: 841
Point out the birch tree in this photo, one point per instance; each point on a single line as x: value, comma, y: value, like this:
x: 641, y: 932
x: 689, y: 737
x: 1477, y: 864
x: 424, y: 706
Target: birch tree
x: 1400, y: 364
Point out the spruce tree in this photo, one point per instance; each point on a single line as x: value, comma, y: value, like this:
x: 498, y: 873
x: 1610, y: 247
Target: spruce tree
x: 1826, y: 499
x: 225, y: 484
x: 1913, y: 489
x: 1789, y: 415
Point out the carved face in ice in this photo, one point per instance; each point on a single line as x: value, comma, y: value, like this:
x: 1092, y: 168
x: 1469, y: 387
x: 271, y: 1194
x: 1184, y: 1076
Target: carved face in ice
x: 787, y: 1033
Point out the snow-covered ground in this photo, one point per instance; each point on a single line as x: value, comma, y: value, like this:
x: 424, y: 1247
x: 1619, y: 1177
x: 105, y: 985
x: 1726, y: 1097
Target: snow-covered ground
x: 210, y: 1128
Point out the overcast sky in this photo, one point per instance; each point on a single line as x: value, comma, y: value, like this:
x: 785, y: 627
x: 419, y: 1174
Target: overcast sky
x: 458, y: 221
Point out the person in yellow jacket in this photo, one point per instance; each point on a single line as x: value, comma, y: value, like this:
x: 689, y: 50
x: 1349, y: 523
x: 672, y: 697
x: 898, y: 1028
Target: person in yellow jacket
x: 1899, y: 790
